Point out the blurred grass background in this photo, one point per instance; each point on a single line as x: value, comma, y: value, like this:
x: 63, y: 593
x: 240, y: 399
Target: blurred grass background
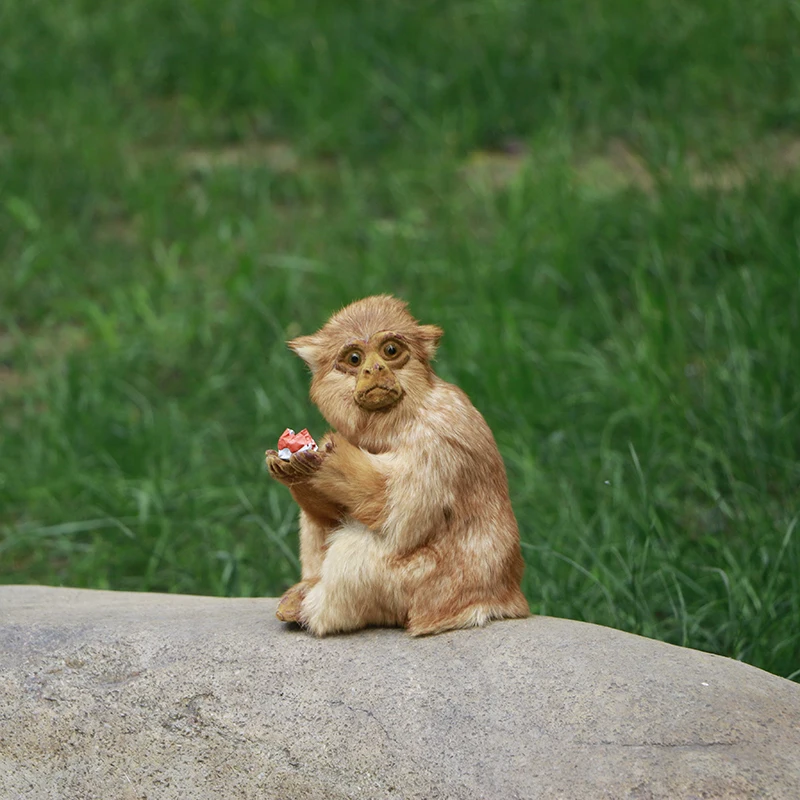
x: 599, y: 202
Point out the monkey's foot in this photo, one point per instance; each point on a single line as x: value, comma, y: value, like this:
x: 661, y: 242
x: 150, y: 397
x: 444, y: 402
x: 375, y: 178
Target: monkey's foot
x: 289, y: 605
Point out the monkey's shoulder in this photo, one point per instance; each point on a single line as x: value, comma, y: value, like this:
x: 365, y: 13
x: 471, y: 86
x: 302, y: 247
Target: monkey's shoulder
x: 450, y: 416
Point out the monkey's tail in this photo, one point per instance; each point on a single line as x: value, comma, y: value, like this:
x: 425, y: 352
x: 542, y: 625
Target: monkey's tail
x: 475, y: 615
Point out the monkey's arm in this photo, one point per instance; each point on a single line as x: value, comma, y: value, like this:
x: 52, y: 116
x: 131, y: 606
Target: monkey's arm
x: 339, y: 479
x: 350, y: 479
x: 323, y: 511
x: 296, y: 475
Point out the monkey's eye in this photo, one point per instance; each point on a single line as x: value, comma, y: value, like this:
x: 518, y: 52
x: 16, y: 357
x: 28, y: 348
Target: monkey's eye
x: 354, y: 358
x: 390, y: 350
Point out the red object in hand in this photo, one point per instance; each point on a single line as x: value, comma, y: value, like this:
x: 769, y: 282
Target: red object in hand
x: 295, y: 441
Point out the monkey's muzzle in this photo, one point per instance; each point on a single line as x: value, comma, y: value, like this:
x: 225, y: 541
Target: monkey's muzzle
x: 377, y: 396
x: 376, y: 388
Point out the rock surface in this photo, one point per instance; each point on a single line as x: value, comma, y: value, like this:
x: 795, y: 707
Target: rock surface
x: 115, y: 695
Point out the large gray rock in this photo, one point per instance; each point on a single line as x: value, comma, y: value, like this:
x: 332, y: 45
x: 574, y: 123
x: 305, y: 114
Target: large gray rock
x: 110, y: 695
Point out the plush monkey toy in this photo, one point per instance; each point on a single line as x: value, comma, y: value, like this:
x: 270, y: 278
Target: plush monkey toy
x: 405, y: 518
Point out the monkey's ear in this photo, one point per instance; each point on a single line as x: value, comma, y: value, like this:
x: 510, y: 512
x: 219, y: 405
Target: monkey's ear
x: 429, y: 336
x: 307, y: 348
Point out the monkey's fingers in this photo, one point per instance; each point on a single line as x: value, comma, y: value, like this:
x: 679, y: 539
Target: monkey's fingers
x: 307, y: 462
x: 328, y: 442
x: 278, y: 468
x: 273, y: 458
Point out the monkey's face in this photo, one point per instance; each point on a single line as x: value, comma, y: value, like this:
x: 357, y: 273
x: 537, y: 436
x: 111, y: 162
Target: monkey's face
x: 374, y: 364
x: 370, y: 364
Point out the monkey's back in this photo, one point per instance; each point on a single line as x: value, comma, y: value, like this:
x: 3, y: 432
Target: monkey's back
x: 451, y: 518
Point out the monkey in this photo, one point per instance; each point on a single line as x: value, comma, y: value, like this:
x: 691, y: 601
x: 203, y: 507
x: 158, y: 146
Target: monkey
x: 405, y: 514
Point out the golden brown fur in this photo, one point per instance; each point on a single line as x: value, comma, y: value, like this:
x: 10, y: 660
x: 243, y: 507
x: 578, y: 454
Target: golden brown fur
x: 405, y: 517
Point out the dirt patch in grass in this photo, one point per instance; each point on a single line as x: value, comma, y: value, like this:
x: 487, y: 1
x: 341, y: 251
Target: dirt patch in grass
x: 126, y: 231
x: 612, y: 171
x: 12, y: 381
x: 275, y: 156
x: 618, y: 167
x: 28, y: 356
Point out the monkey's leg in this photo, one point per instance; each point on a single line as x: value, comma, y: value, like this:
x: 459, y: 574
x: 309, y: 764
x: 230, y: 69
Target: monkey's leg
x: 358, y: 586
x: 313, y: 535
x: 313, y: 532
x: 291, y: 602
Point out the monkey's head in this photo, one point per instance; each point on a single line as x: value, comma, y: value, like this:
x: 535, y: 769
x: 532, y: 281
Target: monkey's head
x: 371, y: 358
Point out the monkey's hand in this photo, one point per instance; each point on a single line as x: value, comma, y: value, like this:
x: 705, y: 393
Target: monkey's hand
x: 301, y: 467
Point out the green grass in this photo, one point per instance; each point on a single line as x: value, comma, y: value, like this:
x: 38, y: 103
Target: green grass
x: 600, y: 203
